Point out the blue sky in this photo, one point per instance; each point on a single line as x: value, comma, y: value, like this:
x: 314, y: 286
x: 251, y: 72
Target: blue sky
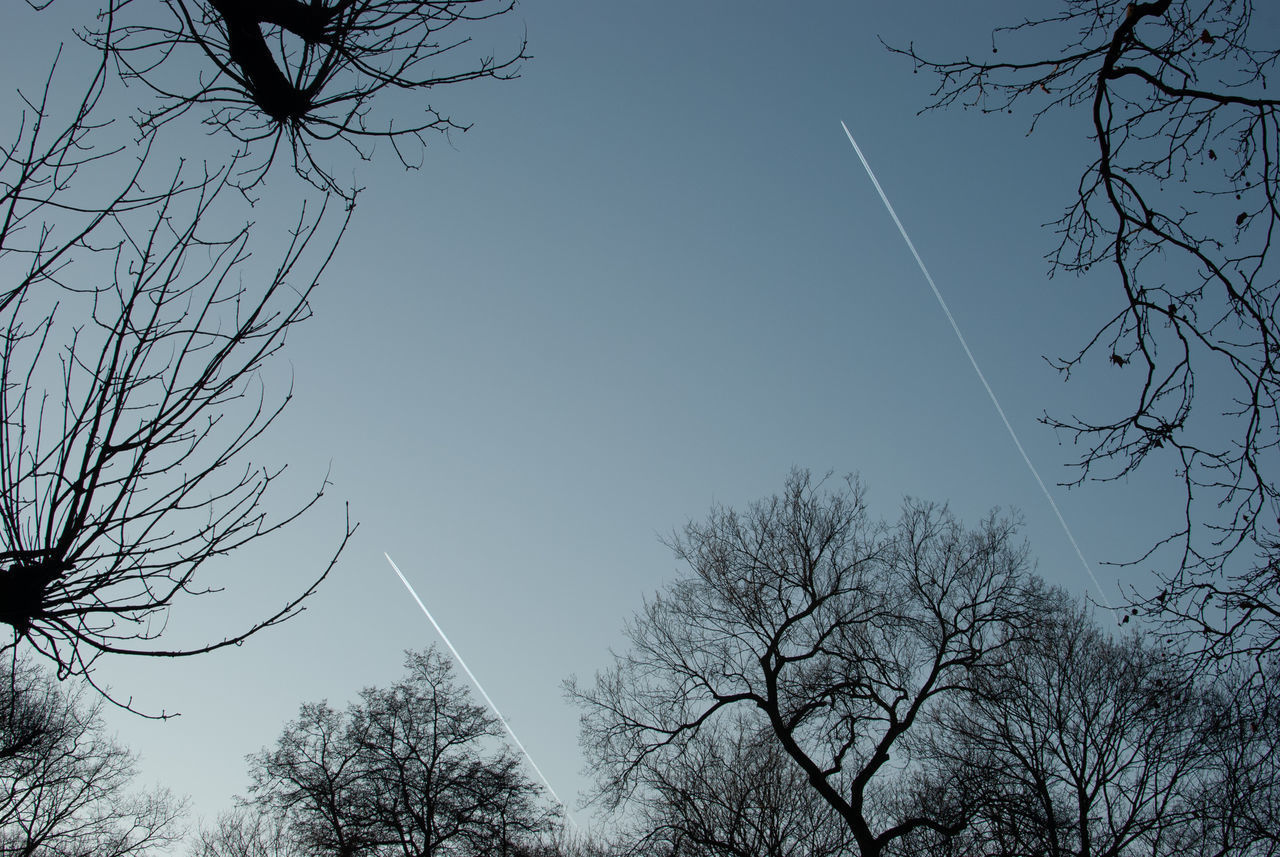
x: 653, y: 276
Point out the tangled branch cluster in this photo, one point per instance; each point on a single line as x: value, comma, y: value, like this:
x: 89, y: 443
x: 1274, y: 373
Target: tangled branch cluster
x: 134, y: 335
x: 1180, y: 201
x: 288, y: 74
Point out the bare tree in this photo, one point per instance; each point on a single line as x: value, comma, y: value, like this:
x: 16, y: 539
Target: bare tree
x: 134, y: 337
x: 1082, y: 744
x: 131, y: 359
x: 835, y: 635
x: 64, y: 785
x: 412, y: 769
x: 1174, y: 95
x: 288, y: 74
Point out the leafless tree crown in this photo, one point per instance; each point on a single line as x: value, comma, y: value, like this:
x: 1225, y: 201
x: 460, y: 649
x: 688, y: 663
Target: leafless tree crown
x: 1180, y: 203
x: 289, y: 74
x: 1082, y: 742
x: 65, y: 786
x: 823, y: 684
x: 131, y: 353
x: 416, y: 768
x: 835, y: 634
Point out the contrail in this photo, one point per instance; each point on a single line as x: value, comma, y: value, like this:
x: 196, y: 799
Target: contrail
x: 973, y: 361
x: 457, y: 657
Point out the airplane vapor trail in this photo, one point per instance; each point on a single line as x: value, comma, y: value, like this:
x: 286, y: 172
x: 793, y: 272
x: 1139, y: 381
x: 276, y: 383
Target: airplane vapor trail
x: 457, y: 657
x: 974, y: 362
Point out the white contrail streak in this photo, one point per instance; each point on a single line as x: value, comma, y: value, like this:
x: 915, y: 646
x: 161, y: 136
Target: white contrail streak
x: 457, y: 657
x: 974, y: 362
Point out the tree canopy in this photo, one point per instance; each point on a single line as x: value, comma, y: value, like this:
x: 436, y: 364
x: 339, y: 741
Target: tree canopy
x: 415, y: 768
x: 1179, y: 204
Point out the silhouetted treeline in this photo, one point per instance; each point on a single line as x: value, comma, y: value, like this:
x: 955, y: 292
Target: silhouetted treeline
x: 826, y: 683
x: 822, y: 684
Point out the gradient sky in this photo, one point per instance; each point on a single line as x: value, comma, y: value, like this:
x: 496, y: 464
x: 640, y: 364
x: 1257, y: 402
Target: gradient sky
x: 652, y: 277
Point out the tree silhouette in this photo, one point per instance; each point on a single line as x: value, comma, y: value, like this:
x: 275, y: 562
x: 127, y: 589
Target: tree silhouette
x: 824, y: 684
x: 133, y: 337
x: 1081, y: 743
x: 415, y: 768
x: 834, y: 635
x: 1174, y: 95
x: 64, y: 785
x: 288, y: 74
x: 131, y: 359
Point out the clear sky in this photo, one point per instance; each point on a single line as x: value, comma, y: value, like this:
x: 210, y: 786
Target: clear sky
x: 652, y: 277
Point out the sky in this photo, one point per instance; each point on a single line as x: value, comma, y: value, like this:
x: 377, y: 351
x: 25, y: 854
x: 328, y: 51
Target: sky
x: 652, y: 277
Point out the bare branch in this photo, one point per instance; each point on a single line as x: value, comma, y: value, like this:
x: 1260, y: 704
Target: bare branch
x: 286, y: 75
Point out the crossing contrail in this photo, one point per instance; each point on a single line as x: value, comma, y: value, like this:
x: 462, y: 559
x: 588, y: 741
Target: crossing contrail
x: 457, y: 657
x: 974, y: 362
